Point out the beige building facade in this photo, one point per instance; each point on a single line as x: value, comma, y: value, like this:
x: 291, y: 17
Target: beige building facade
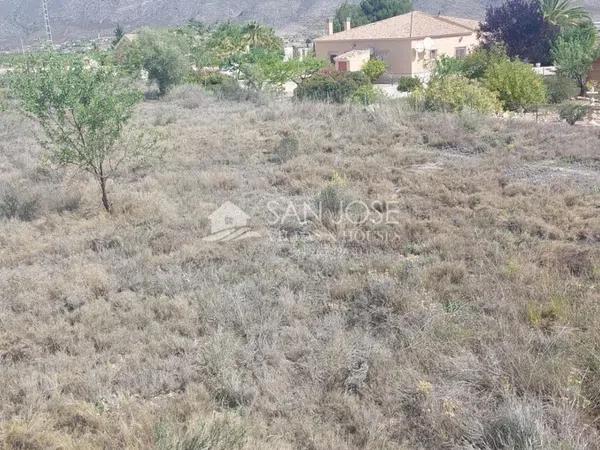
x: 409, y: 44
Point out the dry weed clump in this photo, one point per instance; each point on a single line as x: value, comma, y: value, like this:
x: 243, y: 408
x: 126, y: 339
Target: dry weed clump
x: 469, y: 321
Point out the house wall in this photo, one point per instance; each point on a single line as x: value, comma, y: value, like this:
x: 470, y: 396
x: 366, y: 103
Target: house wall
x: 595, y: 73
x: 395, y: 53
x: 422, y: 63
x: 399, y: 54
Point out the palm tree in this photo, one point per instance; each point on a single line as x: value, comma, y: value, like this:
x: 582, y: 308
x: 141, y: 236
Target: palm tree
x: 562, y: 13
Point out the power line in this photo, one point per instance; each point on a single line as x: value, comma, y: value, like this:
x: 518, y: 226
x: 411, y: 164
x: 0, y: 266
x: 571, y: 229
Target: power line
x: 47, y: 21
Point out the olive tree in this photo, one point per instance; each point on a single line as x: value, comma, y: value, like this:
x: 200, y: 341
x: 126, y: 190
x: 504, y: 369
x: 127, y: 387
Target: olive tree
x: 83, y: 110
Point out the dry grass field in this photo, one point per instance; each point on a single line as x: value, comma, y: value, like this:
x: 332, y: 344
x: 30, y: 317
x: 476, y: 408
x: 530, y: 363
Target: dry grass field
x: 472, y: 322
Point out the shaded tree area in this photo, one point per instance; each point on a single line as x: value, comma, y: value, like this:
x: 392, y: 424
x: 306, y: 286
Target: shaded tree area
x: 520, y: 26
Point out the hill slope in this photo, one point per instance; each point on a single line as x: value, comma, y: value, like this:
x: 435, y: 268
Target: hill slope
x: 82, y: 18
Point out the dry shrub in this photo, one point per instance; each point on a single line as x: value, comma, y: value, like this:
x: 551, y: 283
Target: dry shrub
x: 473, y: 326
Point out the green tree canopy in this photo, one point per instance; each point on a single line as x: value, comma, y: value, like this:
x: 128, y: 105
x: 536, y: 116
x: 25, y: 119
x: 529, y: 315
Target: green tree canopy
x: 83, y: 110
x: 369, y: 11
x: 563, y: 13
x: 575, y: 51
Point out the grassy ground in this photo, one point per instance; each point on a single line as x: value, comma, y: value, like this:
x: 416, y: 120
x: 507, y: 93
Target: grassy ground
x: 471, y: 323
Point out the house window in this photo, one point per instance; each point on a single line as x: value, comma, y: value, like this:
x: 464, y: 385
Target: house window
x: 461, y: 52
x: 332, y: 58
x: 433, y: 54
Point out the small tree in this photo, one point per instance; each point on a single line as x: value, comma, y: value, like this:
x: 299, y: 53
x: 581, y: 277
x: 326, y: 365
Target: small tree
x: 374, y: 69
x: 518, y: 87
x: 119, y: 33
x: 261, y: 68
x: 82, y: 111
x: 575, y: 52
x: 160, y: 55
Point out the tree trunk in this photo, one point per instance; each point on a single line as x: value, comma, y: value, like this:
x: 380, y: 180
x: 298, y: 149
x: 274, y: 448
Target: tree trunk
x: 105, y: 201
x: 582, y: 87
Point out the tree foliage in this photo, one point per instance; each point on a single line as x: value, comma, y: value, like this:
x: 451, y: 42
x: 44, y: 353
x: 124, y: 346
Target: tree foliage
x: 260, y: 68
x: 455, y: 93
x: 82, y: 111
x: 332, y: 86
x: 520, y: 27
x: 347, y: 10
x: 563, y: 13
x: 369, y: 11
x: 575, y: 51
x: 518, y: 87
x: 382, y: 9
x: 374, y: 69
x: 473, y: 66
x: 118, y: 33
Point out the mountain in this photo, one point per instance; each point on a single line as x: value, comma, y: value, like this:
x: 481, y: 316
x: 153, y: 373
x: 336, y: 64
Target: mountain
x: 71, y: 19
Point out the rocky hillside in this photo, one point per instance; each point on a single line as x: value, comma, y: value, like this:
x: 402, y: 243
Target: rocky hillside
x: 86, y: 18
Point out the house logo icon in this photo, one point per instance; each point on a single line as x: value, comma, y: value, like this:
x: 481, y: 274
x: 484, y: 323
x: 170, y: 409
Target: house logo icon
x: 229, y: 223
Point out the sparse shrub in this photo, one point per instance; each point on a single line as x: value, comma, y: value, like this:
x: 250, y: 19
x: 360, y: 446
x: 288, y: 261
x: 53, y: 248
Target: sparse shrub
x: 286, y: 150
x: 18, y: 204
x: 209, y: 78
x: 374, y: 70
x: 409, y: 84
x: 331, y: 86
x: 517, y: 86
x: 573, y: 112
x: 215, y: 435
x: 455, y: 94
x: 515, y: 426
x: 334, y: 197
x: 560, y: 88
x: 365, y: 95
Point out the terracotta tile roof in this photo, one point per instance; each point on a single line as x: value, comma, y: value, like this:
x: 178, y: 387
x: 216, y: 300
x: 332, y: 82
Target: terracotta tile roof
x: 413, y: 25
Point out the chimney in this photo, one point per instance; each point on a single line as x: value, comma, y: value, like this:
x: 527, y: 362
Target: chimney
x: 329, y: 27
x: 348, y: 23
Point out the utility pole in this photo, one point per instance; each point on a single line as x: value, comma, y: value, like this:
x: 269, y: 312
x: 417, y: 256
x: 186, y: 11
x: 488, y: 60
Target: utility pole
x: 47, y: 21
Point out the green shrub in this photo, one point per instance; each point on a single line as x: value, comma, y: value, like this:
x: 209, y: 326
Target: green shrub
x: 473, y: 66
x: 365, y: 95
x: 573, y: 112
x: 374, y: 70
x: 455, y: 93
x: 518, y: 87
x: 560, y: 88
x: 409, y: 84
x: 331, y: 86
x: 210, y: 79
x: 447, y: 66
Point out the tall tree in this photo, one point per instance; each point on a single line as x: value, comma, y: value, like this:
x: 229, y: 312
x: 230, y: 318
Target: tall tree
x: 383, y: 9
x: 370, y: 11
x: 519, y: 26
x: 574, y: 53
x: 563, y: 13
x: 345, y: 11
